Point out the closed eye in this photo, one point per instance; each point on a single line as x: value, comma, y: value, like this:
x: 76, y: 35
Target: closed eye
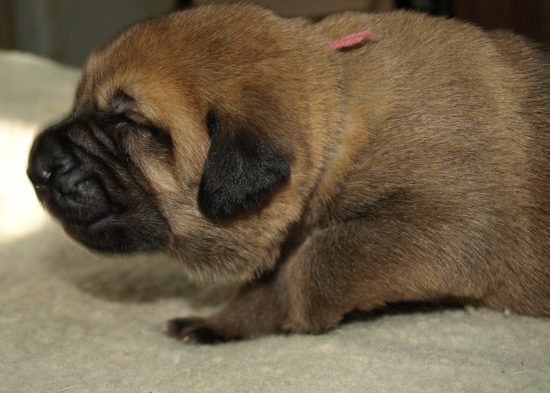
x: 119, y: 120
x: 107, y: 120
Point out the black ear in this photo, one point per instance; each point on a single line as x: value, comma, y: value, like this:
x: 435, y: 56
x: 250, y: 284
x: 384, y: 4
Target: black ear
x: 240, y: 171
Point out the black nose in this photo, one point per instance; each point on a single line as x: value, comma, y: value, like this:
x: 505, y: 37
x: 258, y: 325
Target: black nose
x: 39, y: 177
x: 47, y: 158
x: 66, y: 178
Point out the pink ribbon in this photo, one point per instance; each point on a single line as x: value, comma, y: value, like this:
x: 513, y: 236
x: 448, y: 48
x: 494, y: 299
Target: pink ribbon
x: 350, y: 40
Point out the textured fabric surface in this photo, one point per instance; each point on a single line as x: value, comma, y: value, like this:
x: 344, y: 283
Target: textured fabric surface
x: 75, y: 322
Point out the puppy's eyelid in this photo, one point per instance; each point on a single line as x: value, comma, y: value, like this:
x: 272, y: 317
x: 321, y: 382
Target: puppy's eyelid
x: 121, y: 102
x: 122, y: 121
x: 113, y: 120
x: 121, y: 110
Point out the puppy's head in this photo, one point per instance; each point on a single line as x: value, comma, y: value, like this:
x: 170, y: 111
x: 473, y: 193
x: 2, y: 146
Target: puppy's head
x: 188, y: 134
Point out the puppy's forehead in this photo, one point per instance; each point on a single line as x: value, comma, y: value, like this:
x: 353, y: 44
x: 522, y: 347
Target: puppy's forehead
x: 180, y: 57
x: 145, y: 74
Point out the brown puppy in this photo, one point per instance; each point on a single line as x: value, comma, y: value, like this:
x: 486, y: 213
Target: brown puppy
x: 412, y: 166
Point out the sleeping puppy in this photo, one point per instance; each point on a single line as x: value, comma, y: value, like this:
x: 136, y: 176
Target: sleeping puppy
x: 328, y: 167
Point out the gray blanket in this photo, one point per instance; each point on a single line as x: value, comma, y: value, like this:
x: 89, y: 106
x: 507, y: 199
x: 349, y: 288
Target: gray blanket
x: 75, y: 322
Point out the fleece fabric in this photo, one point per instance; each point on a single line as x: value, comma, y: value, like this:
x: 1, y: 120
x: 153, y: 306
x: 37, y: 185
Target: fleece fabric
x: 75, y: 322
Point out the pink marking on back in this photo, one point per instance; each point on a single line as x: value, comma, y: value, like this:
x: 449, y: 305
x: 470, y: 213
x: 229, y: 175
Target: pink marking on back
x: 350, y: 40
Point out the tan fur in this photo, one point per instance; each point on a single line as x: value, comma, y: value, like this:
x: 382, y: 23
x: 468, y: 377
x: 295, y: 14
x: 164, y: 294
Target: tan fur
x: 419, y: 160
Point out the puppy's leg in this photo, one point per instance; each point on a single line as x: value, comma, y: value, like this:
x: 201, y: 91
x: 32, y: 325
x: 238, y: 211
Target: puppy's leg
x: 256, y: 309
x: 308, y: 293
x: 357, y: 265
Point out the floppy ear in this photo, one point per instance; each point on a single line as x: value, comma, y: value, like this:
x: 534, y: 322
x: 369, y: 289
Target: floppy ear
x: 240, y: 171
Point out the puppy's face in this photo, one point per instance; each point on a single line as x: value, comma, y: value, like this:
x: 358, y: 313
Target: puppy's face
x: 187, y: 135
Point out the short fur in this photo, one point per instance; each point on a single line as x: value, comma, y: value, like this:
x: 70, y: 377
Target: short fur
x: 411, y: 167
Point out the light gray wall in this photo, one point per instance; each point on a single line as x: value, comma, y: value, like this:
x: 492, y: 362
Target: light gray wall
x: 313, y: 7
x: 67, y: 30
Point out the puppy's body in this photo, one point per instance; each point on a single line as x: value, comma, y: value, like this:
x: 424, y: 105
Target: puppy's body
x: 411, y: 167
x: 445, y: 179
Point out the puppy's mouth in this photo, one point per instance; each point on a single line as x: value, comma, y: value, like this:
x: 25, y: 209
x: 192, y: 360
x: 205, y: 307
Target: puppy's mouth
x: 74, y: 200
x: 92, y: 194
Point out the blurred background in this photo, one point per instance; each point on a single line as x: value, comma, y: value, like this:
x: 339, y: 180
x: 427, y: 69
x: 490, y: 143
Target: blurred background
x: 67, y: 30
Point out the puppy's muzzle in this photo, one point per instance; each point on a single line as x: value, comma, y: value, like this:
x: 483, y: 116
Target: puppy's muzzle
x: 90, y: 187
x: 66, y: 183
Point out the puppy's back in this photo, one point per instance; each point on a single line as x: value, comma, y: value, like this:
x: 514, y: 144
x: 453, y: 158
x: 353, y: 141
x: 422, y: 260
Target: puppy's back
x: 450, y: 137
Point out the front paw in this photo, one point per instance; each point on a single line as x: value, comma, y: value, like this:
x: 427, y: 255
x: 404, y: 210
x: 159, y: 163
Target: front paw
x: 194, y: 331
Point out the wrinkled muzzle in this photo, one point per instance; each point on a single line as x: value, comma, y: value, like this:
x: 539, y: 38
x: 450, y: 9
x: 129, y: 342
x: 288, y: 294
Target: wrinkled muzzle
x: 92, y: 191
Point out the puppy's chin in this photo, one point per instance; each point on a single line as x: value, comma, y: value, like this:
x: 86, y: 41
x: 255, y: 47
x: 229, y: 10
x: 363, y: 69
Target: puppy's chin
x: 121, y: 234
x: 114, y: 229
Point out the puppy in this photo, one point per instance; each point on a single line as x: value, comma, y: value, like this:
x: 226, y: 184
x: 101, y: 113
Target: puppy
x: 330, y: 167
